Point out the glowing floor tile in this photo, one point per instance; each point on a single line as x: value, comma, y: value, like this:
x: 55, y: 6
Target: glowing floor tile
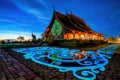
x: 86, y: 67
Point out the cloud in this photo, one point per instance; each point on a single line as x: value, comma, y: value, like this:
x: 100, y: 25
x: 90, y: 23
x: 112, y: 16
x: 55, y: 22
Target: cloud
x: 35, y: 8
x: 43, y: 3
x: 10, y: 34
x: 115, y: 15
x: 15, y: 22
x: 38, y: 15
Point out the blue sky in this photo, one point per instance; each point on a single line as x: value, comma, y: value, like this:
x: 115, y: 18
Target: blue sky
x: 24, y: 17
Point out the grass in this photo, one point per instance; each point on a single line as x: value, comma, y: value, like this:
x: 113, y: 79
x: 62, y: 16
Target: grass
x: 86, y: 47
x: 118, y: 49
x: 89, y: 47
x: 94, y: 48
x: 11, y: 44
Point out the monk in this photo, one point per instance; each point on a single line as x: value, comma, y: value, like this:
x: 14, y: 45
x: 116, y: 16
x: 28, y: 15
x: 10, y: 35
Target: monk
x: 78, y: 56
x: 84, y: 52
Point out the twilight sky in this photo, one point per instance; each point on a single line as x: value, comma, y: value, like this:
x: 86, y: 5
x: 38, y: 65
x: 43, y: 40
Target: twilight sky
x: 24, y: 17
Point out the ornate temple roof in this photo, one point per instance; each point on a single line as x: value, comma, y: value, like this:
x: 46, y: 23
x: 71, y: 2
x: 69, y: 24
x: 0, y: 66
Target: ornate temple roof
x: 70, y: 22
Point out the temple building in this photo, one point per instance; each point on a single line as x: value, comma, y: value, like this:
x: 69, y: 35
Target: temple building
x: 67, y: 27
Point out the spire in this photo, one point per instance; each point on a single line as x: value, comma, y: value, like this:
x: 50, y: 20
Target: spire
x: 71, y: 12
x: 66, y: 12
x: 53, y: 8
x: 52, y: 5
x: 54, y: 11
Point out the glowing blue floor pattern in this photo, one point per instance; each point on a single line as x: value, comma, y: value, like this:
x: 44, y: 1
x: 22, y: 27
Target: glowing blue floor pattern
x: 85, y: 68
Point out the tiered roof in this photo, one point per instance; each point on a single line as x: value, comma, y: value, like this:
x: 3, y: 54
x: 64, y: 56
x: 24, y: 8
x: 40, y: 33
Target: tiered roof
x: 70, y: 22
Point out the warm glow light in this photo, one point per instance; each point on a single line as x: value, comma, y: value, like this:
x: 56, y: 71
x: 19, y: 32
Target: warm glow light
x: 94, y: 37
x: 65, y: 36
x: 70, y: 36
x: 85, y: 35
x: 77, y: 36
x: 82, y: 36
x: 119, y: 39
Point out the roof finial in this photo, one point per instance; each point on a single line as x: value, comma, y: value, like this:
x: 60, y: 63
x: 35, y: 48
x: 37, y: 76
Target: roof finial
x: 66, y: 12
x: 70, y: 11
x: 53, y: 8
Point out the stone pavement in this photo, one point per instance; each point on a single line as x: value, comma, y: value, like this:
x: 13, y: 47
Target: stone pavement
x: 11, y: 69
x: 13, y: 66
x: 112, y: 71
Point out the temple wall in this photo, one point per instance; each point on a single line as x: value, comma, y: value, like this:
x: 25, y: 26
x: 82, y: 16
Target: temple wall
x: 83, y: 36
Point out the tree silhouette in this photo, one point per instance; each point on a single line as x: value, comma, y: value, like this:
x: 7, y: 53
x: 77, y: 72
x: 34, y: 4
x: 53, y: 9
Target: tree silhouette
x: 111, y: 39
x: 33, y: 37
x: 21, y: 38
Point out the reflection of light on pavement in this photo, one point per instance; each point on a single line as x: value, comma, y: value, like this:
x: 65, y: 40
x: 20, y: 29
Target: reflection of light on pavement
x: 119, y: 39
x: 87, y: 61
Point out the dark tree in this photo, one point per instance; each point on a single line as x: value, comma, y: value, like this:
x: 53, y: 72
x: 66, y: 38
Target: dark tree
x: 2, y: 41
x: 33, y: 38
x: 21, y: 38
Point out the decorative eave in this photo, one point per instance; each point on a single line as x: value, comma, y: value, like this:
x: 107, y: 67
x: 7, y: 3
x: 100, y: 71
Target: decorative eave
x: 69, y: 22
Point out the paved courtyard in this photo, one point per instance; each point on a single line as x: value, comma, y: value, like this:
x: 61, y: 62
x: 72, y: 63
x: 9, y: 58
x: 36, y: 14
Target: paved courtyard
x: 14, y: 67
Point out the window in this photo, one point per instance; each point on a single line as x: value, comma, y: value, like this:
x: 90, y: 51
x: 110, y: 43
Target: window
x: 82, y: 36
x: 65, y: 36
x: 70, y: 36
x: 77, y: 36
